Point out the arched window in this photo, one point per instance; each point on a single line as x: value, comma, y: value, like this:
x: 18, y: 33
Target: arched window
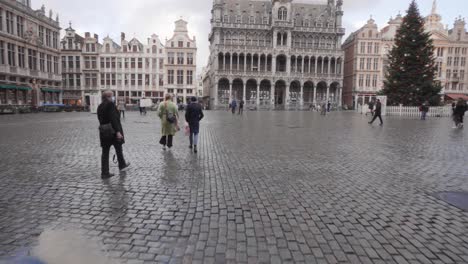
x: 107, y: 47
x: 283, y: 13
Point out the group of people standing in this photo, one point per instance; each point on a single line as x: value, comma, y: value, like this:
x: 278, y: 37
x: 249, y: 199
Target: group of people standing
x: 111, y: 131
x: 233, y: 106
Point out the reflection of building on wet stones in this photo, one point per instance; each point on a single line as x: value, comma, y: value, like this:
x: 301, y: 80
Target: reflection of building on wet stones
x: 275, y: 54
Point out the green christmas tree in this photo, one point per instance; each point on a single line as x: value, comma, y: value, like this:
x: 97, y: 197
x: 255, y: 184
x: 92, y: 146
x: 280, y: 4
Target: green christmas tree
x: 410, y: 79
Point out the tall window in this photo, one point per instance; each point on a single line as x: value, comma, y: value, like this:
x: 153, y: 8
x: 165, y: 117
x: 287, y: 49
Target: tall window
x: 20, y: 26
x: 42, y: 62
x: 190, y: 58
x: 140, y: 79
x: 180, y: 58
x: 374, y: 81
x: 376, y: 64
x: 56, y: 64
x: 9, y: 22
x: 180, y: 44
x: 64, y: 63
x: 368, y: 80
x: 1, y: 19
x: 132, y: 63
x: 32, y: 59
x: 21, y: 57
x: 48, y: 37
x: 362, y: 63
x: 41, y: 34
x: 180, y: 77
x: 189, y: 77
x: 107, y: 47
x: 77, y: 62
x: 369, y: 48
x: 11, y: 54
x: 369, y: 64
x: 55, y: 40
x: 49, y: 63
x: 377, y: 48
x: 140, y: 63
x: 2, y: 52
x: 363, y: 47
x: 283, y: 14
x: 361, y: 80
x: 170, y: 76
x: 170, y: 58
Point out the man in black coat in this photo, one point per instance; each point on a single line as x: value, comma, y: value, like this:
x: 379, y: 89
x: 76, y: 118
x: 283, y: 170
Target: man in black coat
x: 377, y: 112
x: 193, y: 116
x: 108, y: 114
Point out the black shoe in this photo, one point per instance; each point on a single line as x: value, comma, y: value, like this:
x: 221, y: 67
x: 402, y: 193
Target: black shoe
x: 195, y: 149
x: 107, y: 176
x: 127, y: 165
x: 190, y: 147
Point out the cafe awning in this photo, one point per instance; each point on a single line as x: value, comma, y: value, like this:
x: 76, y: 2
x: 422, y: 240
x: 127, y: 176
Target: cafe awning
x: 15, y: 87
x: 51, y: 90
x: 456, y: 96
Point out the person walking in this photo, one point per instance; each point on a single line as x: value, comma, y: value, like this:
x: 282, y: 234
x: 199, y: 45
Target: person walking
x: 328, y: 107
x: 241, y: 107
x: 377, y: 113
x: 323, y: 109
x: 371, y: 108
x: 121, y: 107
x: 459, y: 113
x: 424, y: 108
x: 169, y: 121
x: 193, y: 116
x: 110, y: 134
x: 234, y: 106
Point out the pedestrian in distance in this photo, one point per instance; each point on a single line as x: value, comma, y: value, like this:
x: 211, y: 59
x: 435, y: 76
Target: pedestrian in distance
x: 169, y: 121
x: 121, y: 107
x: 377, y: 113
x: 424, y: 109
x: 371, y: 108
x: 193, y: 116
x: 110, y: 134
x: 323, y: 109
x: 328, y: 107
x: 241, y: 107
x: 459, y: 113
x: 234, y: 106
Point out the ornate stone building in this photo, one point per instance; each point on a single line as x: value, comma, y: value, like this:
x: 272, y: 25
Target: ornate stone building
x: 29, y: 55
x: 367, y: 49
x: 180, y: 65
x: 276, y: 53
x: 131, y: 68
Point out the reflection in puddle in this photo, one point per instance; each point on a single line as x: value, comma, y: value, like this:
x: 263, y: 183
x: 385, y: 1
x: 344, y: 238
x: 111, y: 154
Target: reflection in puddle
x: 70, y: 247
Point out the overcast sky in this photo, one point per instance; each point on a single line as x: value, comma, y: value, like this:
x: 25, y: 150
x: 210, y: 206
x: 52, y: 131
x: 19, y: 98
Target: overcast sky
x: 141, y: 18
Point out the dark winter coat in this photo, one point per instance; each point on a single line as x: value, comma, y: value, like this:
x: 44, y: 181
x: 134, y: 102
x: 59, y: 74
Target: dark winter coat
x: 378, y: 108
x: 108, y: 114
x: 193, y: 116
x: 460, y: 110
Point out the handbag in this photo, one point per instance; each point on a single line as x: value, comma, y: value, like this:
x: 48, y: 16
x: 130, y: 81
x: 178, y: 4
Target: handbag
x: 170, y: 117
x: 106, y: 131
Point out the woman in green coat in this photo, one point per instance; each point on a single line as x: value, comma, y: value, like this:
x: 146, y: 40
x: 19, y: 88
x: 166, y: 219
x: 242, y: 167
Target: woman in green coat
x: 169, y: 121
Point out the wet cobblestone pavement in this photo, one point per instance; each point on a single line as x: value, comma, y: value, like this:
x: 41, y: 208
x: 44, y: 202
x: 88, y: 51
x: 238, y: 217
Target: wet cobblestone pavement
x: 268, y: 187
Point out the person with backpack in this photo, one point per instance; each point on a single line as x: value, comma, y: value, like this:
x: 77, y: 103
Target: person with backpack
x: 110, y: 134
x: 193, y: 116
x: 169, y: 116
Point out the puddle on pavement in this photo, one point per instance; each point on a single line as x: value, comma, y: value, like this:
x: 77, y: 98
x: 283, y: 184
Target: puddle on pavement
x: 59, y: 247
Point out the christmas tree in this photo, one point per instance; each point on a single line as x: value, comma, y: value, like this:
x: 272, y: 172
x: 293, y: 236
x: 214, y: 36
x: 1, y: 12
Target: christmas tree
x: 410, y: 78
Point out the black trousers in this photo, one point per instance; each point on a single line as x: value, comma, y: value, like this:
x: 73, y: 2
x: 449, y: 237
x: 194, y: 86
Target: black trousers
x: 166, y: 141
x: 375, y: 117
x: 105, y: 157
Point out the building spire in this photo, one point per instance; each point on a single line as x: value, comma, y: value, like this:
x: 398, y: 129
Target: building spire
x: 434, y: 7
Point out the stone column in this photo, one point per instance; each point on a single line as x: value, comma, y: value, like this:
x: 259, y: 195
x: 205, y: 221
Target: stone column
x: 245, y: 63
x: 272, y: 94
x: 259, y: 62
x: 244, y: 92
x: 328, y: 92
x: 316, y: 66
x: 230, y: 91
x: 288, y: 65
x: 315, y: 95
x: 287, y: 97
x: 224, y: 62
x: 238, y: 60
x: 258, y: 93
x: 273, y: 64
x: 302, y: 94
x: 329, y: 66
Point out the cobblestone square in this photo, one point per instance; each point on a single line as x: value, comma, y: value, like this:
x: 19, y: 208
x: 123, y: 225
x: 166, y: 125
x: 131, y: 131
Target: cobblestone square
x: 266, y: 187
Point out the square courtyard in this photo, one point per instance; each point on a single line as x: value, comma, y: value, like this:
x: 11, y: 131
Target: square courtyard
x: 265, y: 187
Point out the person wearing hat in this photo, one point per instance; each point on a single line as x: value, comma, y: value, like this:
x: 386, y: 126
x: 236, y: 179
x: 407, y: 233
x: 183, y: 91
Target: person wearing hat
x: 193, y: 116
